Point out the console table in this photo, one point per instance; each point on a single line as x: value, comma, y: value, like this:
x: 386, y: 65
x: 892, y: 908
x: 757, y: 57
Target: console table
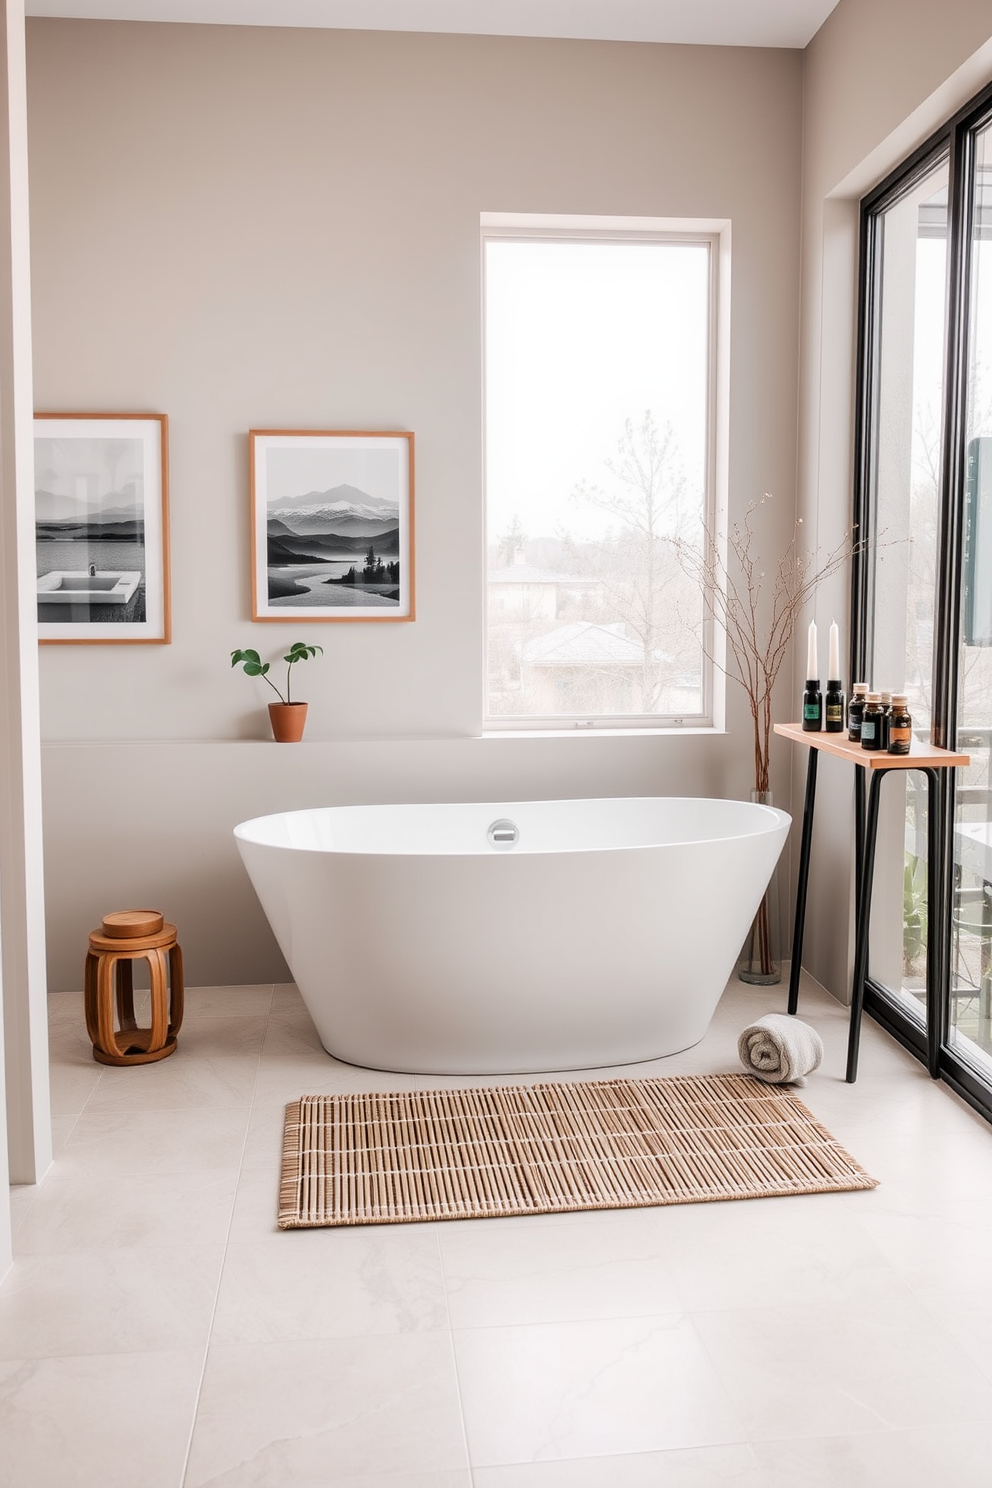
x: 876, y: 763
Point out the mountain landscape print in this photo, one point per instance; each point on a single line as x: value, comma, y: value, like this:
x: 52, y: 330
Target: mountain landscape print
x: 331, y: 525
x: 343, y: 537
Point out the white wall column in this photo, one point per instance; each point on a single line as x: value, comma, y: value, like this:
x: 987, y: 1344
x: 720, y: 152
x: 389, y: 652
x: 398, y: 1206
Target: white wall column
x: 22, y: 927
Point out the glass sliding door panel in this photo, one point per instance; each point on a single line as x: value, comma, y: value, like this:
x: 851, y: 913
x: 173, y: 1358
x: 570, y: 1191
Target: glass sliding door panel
x: 908, y: 336
x: 971, y: 905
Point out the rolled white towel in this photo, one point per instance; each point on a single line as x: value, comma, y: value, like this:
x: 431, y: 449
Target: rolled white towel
x: 780, y: 1050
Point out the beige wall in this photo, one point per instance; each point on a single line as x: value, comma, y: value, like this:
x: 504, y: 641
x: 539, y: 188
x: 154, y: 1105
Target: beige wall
x: 274, y: 228
x: 879, y: 77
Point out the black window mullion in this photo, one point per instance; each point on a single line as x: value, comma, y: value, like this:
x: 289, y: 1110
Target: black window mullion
x: 947, y: 599
x: 862, y: 566
x: 953, y: 439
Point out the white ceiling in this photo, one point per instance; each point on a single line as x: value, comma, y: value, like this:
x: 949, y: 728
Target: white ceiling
x: 776, y: 23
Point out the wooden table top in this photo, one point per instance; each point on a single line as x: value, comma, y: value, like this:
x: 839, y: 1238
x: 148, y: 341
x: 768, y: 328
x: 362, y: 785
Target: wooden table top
x: 920, y: 755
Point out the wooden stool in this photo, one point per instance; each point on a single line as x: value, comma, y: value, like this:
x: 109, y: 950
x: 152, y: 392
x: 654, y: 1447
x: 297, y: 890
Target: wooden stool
x: 124, y: 937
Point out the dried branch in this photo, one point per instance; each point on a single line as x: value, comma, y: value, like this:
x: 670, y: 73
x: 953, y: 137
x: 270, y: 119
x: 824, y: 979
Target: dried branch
x: 758, y: 619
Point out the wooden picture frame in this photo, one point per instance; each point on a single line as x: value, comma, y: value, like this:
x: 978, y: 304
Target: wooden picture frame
x: 331, y: 525
x: 102, y: 528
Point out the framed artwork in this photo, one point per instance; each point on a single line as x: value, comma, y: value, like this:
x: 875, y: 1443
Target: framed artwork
x: 331, y: 525
x: 101, y: 527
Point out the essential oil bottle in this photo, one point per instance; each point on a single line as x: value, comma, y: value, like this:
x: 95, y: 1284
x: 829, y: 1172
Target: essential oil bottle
x: 871, y: 722
x: 885, y: 703
x: 900, y: 725
x: 812, y: 706
x: 833, y: 707
x: 855, y: 709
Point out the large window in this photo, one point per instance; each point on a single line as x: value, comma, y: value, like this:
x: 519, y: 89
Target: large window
x: 923, y: 593
x: 599, y: 365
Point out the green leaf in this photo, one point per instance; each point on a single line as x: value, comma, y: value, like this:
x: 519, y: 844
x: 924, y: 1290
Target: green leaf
x: 237, y: 656
x: 300, y: 651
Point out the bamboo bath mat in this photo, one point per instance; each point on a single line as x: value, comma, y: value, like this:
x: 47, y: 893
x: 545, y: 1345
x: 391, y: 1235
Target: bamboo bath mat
x: 394, y: 1157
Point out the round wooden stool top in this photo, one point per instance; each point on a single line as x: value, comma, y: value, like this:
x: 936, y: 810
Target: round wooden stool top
x: 132, y: 924
x: 134, y: 945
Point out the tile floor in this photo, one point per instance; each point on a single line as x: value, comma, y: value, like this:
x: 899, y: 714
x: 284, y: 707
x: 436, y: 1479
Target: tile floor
x: 158, y: 1331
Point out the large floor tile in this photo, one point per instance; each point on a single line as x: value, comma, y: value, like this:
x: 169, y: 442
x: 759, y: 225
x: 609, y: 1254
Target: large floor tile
x: 22, y: 1197
x: 62, y: 1127
x: 498, y: 1272
x: 217, y: 1036
x: 589, y: 1389
x: 181, y: 1082
x: 291, y: 1032
x: 286, y: 998
x: 926, y: 1248
x: 699, y: 1467
x: 264, y: 1137
x: 959, y: 1301
x: 76, y: 1209
x: 97, y: 1421
x: 100, y: 1302
x: 813, y: 1371
x: 73, y: 1082
x: 228, y: 1002
x: 802, y: 1249
x: 458, y: 1478
x: 311, y: 1412
x: 175, y: 1141
x: 256, y: 1203
x: 952, y: 1455
x: 331, y: 1283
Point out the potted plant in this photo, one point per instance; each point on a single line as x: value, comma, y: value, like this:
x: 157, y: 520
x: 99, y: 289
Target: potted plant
x: 287, y: 718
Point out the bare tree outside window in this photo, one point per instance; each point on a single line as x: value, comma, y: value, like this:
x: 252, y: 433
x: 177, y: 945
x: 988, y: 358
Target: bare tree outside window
x: 598, y: 425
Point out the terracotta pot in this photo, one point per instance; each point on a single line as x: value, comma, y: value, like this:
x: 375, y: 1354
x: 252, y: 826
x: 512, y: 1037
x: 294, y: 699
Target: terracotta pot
x: 288, y: 720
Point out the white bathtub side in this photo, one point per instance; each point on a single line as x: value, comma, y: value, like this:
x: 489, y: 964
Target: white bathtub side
x: 508, y: 963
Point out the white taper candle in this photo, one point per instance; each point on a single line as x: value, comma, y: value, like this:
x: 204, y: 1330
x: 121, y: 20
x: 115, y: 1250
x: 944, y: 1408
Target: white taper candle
x: 812, y: 665
x: 833, y: 670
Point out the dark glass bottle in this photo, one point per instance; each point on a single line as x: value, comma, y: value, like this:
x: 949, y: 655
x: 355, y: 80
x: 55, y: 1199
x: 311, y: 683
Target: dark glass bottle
x: 855, y: 709
x: 812, y: 706
x: 833, y: 707
x: 885, y: 703
x: 870, y: 722
x: 900, y: 725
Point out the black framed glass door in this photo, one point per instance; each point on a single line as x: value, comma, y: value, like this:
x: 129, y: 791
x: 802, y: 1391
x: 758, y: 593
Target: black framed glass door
x: 922, y: 591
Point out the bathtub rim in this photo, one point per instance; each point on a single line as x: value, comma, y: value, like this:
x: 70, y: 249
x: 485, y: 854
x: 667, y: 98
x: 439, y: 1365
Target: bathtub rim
x: 774, y: 818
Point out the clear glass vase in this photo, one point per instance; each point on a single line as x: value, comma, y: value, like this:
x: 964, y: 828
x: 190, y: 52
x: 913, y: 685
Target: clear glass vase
x: 760, y: 963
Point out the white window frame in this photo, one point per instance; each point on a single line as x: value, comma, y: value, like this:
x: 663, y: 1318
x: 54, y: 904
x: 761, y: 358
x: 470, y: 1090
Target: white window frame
x: 715, y: 233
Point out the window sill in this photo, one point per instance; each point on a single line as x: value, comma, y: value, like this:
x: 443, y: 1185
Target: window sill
x: 602, y: 733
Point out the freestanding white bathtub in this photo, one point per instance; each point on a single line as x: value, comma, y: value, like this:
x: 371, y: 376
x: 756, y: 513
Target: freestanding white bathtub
x: 486, y: 939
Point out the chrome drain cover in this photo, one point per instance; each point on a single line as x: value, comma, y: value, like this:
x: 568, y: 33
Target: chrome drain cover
x: 503, y: 834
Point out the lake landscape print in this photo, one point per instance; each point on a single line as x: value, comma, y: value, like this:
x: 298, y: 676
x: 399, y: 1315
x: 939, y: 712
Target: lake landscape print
x: 100, y: 527
x: 332, y: 525
x: 89, y: 524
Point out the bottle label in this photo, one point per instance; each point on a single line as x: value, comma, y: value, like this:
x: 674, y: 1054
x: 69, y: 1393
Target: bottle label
x: 868, y: 729
x: 900, y: 740
x: 835, y: 713
x: 811, y: 711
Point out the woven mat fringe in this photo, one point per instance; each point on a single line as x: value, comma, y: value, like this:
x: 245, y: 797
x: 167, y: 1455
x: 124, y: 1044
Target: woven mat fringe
x: 401, y: 1156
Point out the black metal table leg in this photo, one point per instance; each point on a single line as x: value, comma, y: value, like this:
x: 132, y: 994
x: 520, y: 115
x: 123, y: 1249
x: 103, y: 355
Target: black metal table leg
x: 862, y: 922
x: 859, y: 834
x: 803, y: 884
